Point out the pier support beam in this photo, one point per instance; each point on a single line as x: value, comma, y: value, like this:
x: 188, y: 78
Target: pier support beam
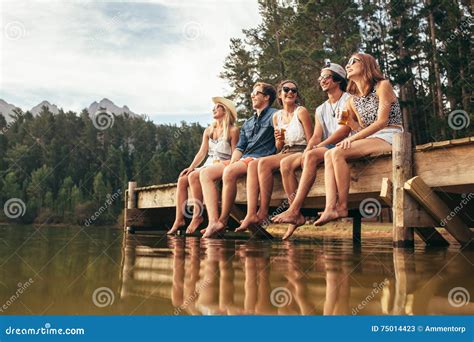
x: 402, y: 170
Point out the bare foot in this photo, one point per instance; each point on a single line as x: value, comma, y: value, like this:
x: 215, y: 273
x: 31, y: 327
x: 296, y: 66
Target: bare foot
x: 292, y: 227
x: 194, y: 224
x: 288, y: 216
x: 329, y: 215
x: 213, y: 229
x: 176, y: 226
x: 248, y: 221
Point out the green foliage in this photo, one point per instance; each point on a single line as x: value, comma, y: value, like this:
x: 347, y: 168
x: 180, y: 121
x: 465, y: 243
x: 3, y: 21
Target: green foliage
x: 65, y: 170
x: 295, y: 38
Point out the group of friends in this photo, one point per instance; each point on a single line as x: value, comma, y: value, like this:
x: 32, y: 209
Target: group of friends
x: 359, y: 118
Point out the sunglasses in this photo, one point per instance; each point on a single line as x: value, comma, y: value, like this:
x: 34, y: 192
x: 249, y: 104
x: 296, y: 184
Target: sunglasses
x: 256, y: 92
x: 352, y: 60
x: 288, y: 89
x: 324, y: 77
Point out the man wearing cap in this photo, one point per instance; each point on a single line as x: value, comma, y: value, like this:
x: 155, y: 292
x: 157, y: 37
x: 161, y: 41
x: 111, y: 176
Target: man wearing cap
x: 256, y: 140
x: 327, y: 133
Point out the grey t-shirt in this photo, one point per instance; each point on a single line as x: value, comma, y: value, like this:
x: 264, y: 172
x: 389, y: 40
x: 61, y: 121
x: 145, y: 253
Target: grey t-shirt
x: 326, y: 116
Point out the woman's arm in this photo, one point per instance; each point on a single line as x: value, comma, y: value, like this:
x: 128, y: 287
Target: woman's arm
x: 305, y: 119
x: 234, y: 137
x: 386, y: 97
x: 200, y: 155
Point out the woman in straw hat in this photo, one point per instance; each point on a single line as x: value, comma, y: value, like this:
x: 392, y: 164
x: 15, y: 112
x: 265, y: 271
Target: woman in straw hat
x: 218, y: 143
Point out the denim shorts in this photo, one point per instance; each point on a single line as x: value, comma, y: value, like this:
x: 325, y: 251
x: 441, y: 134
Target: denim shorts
x: 386, y: 134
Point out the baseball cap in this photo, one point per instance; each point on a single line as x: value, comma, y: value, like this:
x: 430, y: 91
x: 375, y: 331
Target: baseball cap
x: 336, y: 68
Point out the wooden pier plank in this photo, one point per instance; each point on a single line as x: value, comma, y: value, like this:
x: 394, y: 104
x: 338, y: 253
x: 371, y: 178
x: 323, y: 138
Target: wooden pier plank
x: 420, y: 191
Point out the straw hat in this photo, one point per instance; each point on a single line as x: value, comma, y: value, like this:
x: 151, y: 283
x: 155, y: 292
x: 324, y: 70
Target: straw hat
x: 226, y: 103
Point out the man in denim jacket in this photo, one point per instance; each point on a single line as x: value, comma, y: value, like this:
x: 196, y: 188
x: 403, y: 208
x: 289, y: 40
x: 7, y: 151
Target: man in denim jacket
x: 256, y: 140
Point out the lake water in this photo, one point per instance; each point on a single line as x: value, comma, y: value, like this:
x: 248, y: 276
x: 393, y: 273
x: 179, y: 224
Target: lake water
x: 101, y: 271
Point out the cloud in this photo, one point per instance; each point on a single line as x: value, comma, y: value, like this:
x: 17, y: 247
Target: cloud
x: 154, y: 56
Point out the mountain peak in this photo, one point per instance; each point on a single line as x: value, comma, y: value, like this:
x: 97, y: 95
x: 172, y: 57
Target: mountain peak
x: 110, y: 106
x: 39, y: 107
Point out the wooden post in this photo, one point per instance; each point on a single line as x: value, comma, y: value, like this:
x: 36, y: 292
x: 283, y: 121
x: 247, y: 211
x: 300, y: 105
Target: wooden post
x: 131, y: 204
x: 439, y: 210
x: 132, y: 196
x: 402, y: 170
x: 428, y: 234
x: 356, y: 227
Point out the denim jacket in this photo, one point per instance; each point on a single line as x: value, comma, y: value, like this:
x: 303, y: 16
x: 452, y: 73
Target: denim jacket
x: 257, y: 135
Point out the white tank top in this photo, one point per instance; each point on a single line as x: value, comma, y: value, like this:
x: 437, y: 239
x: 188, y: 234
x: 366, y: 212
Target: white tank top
x: 294, y: 132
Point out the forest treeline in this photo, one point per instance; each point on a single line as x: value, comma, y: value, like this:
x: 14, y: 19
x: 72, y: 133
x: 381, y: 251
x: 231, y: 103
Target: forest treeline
x: 64, y: 169
x: 423, y: 47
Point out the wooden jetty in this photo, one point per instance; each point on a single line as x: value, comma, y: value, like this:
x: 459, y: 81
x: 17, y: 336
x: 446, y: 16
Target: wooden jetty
x: 431, y: 185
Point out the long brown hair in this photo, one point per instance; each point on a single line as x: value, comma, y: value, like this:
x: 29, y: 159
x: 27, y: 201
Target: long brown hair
x: 299, y: 99
x: 371, y: 74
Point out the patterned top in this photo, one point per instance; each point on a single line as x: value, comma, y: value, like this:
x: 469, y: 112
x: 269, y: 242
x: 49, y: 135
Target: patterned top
x: 367, y: 107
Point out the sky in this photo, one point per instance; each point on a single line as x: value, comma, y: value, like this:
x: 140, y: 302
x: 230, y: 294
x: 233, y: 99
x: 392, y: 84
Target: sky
x: 159, y: 57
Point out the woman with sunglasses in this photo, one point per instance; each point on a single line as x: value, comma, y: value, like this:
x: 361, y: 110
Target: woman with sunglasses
x: 218, y: 143
x: 293, y: 128
x: 375, y: 115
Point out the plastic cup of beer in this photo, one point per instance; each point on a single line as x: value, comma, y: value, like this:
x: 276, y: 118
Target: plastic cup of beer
x: 343, y: 117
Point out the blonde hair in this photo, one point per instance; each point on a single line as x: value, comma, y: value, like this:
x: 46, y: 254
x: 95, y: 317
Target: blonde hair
x: 227, y: 123
x: 371, y: 74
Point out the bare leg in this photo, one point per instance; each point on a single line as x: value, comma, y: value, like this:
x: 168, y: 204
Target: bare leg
x: 181, y: 197
x: 266, y: 167
x: 330, y: 212
x: 341, y: 170
x: 288, y: 167
x: 229, y: 190
x: 252, y: 196
x: 308, y: 176
x: 208, y: 177
x: 196, y: 193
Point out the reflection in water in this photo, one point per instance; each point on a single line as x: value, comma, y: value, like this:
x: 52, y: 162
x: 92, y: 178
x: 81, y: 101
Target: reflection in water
x: 235, y: 277
x: 160, y: 275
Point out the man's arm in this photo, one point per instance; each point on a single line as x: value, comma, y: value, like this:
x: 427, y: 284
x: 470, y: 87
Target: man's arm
x: 340, y: 133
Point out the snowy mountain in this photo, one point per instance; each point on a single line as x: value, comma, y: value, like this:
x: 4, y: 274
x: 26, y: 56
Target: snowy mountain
x: 106, y: 104
x: 6, y: 109
x: 39, y: 107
